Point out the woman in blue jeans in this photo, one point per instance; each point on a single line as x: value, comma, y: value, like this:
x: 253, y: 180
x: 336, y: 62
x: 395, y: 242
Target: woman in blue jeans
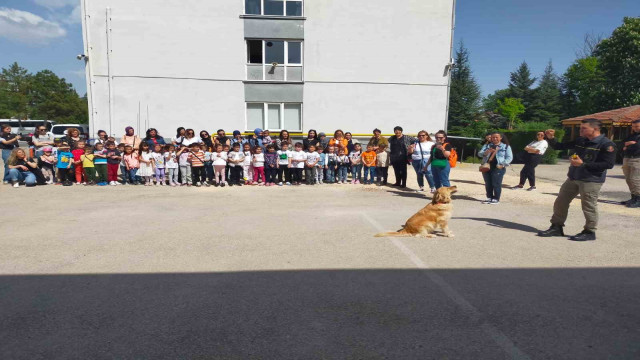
x: 499, y: 155
x: 8, y: 142
x: 20, y: 168
x: 439, y: 160
x: 420, y: 152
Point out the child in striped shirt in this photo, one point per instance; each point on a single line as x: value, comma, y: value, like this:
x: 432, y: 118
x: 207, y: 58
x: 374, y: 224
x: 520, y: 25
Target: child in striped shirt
x: 196, y: 158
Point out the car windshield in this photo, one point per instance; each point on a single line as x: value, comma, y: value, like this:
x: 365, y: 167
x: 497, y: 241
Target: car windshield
x: 59, y: 130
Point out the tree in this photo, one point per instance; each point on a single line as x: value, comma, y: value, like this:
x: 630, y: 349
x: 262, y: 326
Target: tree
x: 511, y: 108
x: 464, y: 98
x: 14, y: 91
x: 520, y: 83
x: 582, y: 87
x: 547, y: 105
x: 619, y: 62
x: 589, y: 45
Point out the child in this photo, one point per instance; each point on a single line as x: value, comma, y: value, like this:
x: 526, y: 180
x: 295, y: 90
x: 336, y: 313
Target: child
x: 146, y: 163
x: 310, y: 165
x: 321, y: 165
x: 132, y: 164
x: 123, y: 166
x: 283, y: 164
x: 227, y: 169
x: 65, y: 161
x: 171, y: 163
x: 77, y: 163
x: 46, y: 163
x: 369, y: 162
x: 258, y: 166
x: 356, y: 164
x: 382, y: 164
x: 271, y: 165
x: 235, y: 160
x: 343, y: 166
x: 100, y: 163
x: 297, y: 160
x: 266, y: 139
x: 185, y: 167
x: 114, y: 157
x: 208, y: 164
x: 88, y: 166
x: 158, y: 160
x: 219, y: 164
x: 196, y: 158
x: 247, y: 168
x: 331, y: 162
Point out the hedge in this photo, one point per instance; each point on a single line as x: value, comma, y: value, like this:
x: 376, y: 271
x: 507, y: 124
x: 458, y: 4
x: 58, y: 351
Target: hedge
x: 521, y: 138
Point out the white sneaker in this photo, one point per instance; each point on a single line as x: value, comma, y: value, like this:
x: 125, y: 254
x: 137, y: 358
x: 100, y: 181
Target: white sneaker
x: 494, y: 202
x: 420, y: 190
x: 16, y: 185
x: 487, y: 201
x: 112, y: 183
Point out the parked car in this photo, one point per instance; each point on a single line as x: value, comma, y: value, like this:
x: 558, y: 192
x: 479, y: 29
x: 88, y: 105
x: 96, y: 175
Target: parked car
x: 60, y: 130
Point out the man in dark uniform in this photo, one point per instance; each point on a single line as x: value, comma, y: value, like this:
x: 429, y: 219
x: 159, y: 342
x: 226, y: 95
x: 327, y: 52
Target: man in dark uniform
x: 594, y: 155
x: 631, y: 164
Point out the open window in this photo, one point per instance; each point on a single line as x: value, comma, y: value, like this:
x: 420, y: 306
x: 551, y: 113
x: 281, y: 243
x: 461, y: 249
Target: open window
x: 274, y: 60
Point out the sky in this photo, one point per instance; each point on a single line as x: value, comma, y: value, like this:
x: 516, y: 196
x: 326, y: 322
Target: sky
x: 500, y: 34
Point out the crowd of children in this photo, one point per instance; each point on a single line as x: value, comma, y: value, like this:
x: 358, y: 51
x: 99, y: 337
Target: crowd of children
x: 217, y: 165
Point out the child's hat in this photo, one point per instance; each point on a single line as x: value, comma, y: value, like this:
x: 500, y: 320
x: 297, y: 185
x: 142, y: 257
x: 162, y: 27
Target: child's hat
x: 47, y: 149
x: 64, y: 144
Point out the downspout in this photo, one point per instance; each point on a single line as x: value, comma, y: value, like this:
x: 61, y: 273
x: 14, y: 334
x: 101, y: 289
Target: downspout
x: 88, y: 65
x: 453, y: 27
x: 109, y: 74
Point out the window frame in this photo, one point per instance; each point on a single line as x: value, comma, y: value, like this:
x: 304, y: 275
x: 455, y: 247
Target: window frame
x: 284, y: 9
x: 265, y: 112
x: 266, y: 65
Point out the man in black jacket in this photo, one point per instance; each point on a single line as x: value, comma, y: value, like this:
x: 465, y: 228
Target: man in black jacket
x: 631, y: 164
x: 399, y: 150
x: 594, y: 155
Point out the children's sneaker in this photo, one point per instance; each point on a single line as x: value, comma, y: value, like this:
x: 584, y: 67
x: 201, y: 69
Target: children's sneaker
x: 533, y: 188
x: 288, y: 183
x: 16, y: 185
x: 487, y: 201
x: 494, y: 202
x: 357, y: 181
x: 207, y: 184
x: 174, y: 184
x: 78, y: 183
x: 223, y: 184
x: 280, y: 183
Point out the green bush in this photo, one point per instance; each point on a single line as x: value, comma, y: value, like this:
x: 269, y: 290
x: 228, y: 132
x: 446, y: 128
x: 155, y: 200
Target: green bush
x: 472, y: 159
x: 521, y: 138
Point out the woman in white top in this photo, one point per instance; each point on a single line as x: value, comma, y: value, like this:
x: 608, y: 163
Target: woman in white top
x: 532, y: 158
x: 190, y: 138
x: 420, y: 152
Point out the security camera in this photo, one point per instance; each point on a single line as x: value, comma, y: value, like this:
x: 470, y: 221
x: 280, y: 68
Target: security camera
x: 274, y: 64
x: 82, y: 56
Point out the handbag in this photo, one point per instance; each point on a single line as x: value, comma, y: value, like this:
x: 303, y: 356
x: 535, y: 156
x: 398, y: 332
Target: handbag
x: 486, y: 167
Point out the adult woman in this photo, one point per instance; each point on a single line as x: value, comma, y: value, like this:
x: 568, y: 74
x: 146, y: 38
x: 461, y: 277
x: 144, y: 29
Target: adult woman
x: 324, y: 141
x: 72, y: 137
x: 152, y: 138
x: 399, y: 149
x: 311, y: 140
x: 532, y: 158
x: 102, y: 138
x: 377, y: 141
x: 42, y: 138
x: 339, y: 142
x: 177, y: 141
x: 351, y: 142
x: 222, y: 138
x: 21, y: 169
x: 8, y: 142
x: 130, y: 138
x: 284, y: 136
x: 499, y: 155
x: 439, y: 160
x: 190, y: 138
x: 420, y: 152
x: 256, y: 139
x: 206, y: 139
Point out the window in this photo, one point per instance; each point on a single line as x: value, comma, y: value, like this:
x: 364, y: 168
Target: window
x: 273, y: 7
x: 274, y: 60
x: 274, y: 116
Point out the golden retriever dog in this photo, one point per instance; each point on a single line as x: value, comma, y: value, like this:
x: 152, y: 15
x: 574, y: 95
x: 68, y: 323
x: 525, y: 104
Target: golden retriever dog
x: 434, y: 216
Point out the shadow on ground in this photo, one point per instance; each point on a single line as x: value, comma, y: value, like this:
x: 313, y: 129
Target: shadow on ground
x: 600, y: 200
x: 353, y: 314
x: 504, y: 224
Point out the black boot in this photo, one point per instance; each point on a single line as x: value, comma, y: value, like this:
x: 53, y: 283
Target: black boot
x: 585, y: 235
x: 630, y: 201
x: 634, y: 202
x: 554, y: 230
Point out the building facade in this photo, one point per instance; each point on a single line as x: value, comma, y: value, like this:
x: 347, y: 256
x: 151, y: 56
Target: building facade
x: 272, y: 64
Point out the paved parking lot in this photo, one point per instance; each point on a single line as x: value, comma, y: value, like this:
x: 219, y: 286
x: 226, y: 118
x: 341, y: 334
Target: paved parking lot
x: 290, y: 273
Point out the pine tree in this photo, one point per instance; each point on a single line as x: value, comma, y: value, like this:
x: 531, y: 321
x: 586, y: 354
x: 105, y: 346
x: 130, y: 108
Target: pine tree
x: 520, y: 84
x: 547, y: 105
x: 464, y: 98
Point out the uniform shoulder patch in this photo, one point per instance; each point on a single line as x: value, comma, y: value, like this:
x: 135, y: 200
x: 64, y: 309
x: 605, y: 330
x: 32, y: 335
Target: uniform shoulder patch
x: 611, y: 149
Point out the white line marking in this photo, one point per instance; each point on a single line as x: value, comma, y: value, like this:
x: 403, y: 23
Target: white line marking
x: 476, y: 316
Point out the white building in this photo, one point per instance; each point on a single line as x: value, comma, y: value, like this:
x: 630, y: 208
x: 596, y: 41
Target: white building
x: 273, y: 64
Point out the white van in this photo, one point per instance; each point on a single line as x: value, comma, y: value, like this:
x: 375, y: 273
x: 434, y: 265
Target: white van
x: 60, y: 130
x: 26, y: 128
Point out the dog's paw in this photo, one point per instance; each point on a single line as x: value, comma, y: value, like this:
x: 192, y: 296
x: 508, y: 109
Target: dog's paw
x: 430, y: 235
x: 449, y: 235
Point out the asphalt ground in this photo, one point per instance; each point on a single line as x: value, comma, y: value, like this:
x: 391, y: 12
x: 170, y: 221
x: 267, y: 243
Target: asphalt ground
x: 295, y: 273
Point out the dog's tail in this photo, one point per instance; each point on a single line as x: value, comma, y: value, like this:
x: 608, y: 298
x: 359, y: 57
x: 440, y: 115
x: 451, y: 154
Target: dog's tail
x: 393, y: 234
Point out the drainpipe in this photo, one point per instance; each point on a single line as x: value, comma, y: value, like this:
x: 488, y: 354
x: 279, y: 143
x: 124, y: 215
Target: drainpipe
x: 88, y: 66
x: 109, y: 75
x: 451, y: 64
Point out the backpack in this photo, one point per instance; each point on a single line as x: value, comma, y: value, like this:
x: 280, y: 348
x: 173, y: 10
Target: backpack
x: 453, y: 156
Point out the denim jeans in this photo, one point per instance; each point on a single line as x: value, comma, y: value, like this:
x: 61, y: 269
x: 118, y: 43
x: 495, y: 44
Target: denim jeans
x: 369, y: 170
x: 342, y: 173
x: 131, y: 175
x: 5, y: 157
x: 331, y: 174
x: 493, y: 182
x: 418, y: 166
x: 16, y: 175
x: 356, y: 172
x: 441, y: 176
